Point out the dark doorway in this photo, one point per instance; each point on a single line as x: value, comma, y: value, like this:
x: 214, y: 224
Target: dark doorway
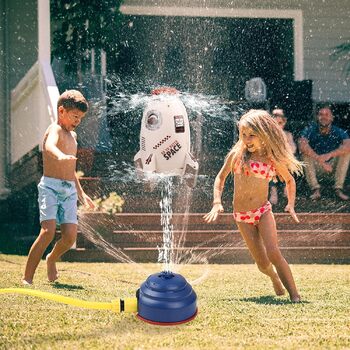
x: 208, y: 55
x: 260, y: 48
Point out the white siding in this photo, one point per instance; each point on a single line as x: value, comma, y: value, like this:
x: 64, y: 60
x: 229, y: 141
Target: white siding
x: 326, y: 24
x: 3, y: 105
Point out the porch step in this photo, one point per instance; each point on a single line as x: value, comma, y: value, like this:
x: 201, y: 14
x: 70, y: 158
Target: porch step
x: 16, y: 238
x: 287, y: 238
x: 318, y: 238
x: 218, y: 255
x: 139, y: 199
x: 225, y: 220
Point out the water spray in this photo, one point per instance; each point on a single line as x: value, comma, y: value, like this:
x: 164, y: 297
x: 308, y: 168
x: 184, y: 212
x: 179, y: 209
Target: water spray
x: 165, y: 298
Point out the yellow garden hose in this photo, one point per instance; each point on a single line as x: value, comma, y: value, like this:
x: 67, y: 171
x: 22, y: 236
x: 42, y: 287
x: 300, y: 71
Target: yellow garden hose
x: 118, y: 305
x: 165, y: 298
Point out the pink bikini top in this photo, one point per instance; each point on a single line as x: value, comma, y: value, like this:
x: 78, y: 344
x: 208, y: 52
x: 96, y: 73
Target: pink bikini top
x: 259, y: 169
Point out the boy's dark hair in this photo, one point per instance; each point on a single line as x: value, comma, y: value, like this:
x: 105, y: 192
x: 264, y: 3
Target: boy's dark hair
x: 73, y: 99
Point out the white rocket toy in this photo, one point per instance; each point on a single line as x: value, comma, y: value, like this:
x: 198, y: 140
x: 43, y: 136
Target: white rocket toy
x: 165, y: 138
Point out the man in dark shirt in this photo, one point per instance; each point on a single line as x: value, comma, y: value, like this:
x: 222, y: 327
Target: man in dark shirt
x: 325, y: 149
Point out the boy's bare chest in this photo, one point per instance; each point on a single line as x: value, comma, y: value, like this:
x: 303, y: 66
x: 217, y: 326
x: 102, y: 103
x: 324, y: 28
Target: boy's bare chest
x: 67, y: 144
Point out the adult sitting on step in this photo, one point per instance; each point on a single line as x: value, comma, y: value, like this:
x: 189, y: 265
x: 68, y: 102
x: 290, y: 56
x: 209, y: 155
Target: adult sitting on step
x: 325, y: 149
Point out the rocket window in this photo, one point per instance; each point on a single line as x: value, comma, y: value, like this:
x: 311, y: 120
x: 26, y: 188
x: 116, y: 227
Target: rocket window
x: 153, y: 121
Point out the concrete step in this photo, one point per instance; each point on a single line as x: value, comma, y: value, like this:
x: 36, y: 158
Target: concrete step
x: 318, y: 238
x: 139, y: 221
x: 16, y: 238
x: 290, y: 238
x: 215, y: 255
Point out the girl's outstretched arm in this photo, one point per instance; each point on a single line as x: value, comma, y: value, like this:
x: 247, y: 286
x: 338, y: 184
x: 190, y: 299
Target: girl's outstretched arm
x: 291, y: 191
x: 218, y: 188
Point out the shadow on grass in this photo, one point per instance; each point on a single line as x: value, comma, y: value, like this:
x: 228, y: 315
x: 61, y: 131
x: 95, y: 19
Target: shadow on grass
x: 100, y: 333
x: 59, y: 285
x: 9, y: 261
x: 105, y: 277
x: 270, y: 300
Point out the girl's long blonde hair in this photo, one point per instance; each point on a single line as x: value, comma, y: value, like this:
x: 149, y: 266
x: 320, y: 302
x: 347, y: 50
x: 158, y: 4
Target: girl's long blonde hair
x: 272, y: 138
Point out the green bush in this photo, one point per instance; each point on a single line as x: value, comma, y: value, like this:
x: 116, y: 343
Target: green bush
x: 111, y: 204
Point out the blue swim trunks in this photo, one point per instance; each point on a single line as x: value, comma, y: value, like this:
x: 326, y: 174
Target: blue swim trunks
x: 57, y: 200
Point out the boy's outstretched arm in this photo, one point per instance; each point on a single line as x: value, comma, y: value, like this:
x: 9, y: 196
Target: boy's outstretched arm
x: 83, y: 197
x: 218, y: 188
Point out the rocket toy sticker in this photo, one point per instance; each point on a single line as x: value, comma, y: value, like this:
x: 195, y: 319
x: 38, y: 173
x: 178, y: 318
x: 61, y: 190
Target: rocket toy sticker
x: 171, y: 150
x: 179, y: 123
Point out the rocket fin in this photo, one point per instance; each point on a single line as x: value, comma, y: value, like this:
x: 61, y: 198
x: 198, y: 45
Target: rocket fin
x: 150, y: 164
x: 190, y: 170
x: 149, y: 173
x: 138, y: 165
x: 138, y: 161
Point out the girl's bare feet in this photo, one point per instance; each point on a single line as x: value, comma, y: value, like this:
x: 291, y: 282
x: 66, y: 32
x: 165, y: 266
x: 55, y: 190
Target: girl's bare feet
x: 277, y: 285
x: 295, y: 299
x: 52, y: 274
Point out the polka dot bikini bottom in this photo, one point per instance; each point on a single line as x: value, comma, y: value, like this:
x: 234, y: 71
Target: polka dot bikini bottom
x: 252, y: 216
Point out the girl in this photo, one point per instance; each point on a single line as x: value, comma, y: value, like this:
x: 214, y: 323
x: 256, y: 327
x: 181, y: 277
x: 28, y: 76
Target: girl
x: 260, y: 155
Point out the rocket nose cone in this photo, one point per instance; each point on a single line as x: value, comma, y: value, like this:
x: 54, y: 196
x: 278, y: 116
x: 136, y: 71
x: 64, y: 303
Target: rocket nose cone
x: 166, y: 90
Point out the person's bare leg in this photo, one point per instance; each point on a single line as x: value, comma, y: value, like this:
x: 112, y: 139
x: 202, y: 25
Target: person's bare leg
x: 311, y: 170
x: 273, y: 195
x: 276, y: 281
x: 340, y: 175
x: 257, y: 250
x: 68, y: 237
x: 52, y: 273
x: 46, y: 235
x: 268, y: 232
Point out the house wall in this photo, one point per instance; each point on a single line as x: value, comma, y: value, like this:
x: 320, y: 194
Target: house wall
x: 325, y: 25
x: 3, y: 100
x: 18, y: 52
x: 22, y: 38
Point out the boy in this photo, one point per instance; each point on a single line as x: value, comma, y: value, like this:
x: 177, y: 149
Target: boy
x: 59, y: 187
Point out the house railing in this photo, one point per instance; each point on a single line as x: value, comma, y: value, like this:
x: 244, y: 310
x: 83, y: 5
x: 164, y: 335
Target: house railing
x: 33, y: 109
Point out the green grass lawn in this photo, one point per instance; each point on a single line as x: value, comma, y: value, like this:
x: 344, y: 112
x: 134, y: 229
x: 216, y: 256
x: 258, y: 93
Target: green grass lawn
x: 237, y: 309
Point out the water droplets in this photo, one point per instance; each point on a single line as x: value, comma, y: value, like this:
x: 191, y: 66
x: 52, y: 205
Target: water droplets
x: 165, y: 251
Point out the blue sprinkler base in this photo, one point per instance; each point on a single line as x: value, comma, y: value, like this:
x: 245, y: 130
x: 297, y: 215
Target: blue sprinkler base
x: 166, y: 298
